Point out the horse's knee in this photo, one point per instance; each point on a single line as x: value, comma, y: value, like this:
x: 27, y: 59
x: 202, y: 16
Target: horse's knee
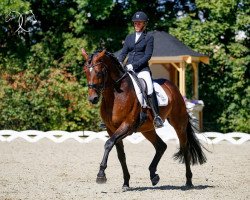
x: 109, y: 144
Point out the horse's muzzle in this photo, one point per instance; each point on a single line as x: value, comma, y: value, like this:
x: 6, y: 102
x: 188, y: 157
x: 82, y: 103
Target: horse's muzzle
x: 93, y: 99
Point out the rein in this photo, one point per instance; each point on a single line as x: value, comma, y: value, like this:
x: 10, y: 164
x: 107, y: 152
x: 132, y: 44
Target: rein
x: 123, y: 76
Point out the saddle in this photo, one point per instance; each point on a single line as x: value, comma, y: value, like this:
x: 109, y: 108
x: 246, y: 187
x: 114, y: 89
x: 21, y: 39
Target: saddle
x: 141, y: 84
x: 141, y: 90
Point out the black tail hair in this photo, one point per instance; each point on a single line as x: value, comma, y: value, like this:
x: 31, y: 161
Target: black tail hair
x: 193, y: 146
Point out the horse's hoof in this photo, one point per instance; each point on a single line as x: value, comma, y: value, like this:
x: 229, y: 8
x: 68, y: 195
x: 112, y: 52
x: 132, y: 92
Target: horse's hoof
x: 189, y: 185
x: 125, y: 188
x: 101, y: 179
x: 155, y: 180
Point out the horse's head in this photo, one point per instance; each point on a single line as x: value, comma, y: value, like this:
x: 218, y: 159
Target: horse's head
x: 96, y: 73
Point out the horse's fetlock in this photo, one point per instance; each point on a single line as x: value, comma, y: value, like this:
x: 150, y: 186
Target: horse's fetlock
x: 152, y: 169
x: 189, y: 175
x: 103, y: 167
x: 101, y: 173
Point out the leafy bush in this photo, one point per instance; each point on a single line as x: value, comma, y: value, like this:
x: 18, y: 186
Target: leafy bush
x: 55, y: 102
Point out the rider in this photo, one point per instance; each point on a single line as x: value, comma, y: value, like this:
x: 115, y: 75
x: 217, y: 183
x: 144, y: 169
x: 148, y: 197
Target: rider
x: 139, y: 48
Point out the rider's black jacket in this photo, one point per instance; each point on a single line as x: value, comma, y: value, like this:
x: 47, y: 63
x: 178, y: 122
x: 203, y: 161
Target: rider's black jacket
x: 139, y: 53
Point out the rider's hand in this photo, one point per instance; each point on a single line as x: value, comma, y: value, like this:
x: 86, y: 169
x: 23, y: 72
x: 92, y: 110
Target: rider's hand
x: 129, y: 67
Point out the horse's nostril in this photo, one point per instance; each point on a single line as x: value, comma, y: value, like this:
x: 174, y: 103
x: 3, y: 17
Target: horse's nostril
x: 94, y: 100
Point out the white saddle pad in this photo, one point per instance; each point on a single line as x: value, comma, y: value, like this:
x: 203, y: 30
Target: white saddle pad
x: 160, y: 93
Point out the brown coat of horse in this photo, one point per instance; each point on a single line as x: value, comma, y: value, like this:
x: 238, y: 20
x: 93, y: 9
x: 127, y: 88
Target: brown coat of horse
x: 120, y: 111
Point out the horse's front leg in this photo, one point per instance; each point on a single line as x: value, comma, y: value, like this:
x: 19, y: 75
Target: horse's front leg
x: 101, y: 176
x: 121, y: 133
x: 122, y: 159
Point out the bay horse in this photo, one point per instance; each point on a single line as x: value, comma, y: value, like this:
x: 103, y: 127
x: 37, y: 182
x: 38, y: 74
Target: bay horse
x: 120, y: 111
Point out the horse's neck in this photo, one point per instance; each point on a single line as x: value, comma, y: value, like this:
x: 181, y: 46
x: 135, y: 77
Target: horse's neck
x: 117, y: 85
x: 115, y: 72
x: 115, y: 91
x: 117, y: 105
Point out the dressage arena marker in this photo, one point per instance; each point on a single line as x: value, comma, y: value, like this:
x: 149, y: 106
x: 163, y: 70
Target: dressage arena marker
x: 88, y: 136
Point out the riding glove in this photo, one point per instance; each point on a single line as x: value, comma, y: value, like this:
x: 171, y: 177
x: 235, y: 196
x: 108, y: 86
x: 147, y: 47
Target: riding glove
x: 129, y: 67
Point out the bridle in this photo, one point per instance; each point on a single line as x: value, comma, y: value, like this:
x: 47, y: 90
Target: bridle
x: 97, y: 87
x: 100, y: 87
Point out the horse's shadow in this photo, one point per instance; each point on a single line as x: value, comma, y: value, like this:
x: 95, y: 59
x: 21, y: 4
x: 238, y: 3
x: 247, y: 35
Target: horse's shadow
x: 170, y: 187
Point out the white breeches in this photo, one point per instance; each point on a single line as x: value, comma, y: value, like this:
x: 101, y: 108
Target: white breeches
x: 147, y: 77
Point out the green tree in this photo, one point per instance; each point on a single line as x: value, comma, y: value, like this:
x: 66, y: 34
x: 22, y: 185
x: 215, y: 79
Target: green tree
x: 42, y: 85
x: 213, y: 29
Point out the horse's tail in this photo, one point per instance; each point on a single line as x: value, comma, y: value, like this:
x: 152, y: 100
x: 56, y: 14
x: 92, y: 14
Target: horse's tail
x: 194, y: 148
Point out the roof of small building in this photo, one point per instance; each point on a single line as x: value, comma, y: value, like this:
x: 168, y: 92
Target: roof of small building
x: 167, y: 45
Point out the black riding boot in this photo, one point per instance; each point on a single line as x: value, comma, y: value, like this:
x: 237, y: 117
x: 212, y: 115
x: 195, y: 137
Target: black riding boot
x: 152, y: 99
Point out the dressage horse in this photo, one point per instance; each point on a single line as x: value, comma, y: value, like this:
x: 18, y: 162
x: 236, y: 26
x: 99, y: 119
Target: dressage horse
x: 120, y: 111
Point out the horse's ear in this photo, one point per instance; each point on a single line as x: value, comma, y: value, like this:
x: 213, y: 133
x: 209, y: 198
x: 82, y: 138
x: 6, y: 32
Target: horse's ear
x: 101, y: 54
x: 84, y: 54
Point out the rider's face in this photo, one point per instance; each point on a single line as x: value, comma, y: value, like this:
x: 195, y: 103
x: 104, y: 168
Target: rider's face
x: 139, y: 25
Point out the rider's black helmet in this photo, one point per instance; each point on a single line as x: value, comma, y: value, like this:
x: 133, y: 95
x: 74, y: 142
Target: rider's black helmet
x: 140, y: 16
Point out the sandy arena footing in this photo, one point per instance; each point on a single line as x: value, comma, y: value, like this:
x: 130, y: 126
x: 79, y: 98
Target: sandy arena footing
x: 46, y: 170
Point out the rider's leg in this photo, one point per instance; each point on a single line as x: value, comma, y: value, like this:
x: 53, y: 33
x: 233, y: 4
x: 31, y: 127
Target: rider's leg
x: 152, y: 97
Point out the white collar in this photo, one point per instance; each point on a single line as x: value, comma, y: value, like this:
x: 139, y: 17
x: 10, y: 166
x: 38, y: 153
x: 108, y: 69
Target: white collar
x: 137, y: 35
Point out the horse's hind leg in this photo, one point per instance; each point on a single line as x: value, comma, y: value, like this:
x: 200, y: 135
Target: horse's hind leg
x: 122, y: 159
x: 183, y: 155
x: 189, y: 175
x: 190, y: 148
x: 185, y: 149
x: 160, y: 148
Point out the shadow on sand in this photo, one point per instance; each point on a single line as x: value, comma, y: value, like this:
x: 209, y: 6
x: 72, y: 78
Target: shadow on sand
x: 170, y: 187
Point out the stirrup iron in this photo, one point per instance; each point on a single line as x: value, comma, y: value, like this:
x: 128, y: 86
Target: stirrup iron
x: 158, y: 123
